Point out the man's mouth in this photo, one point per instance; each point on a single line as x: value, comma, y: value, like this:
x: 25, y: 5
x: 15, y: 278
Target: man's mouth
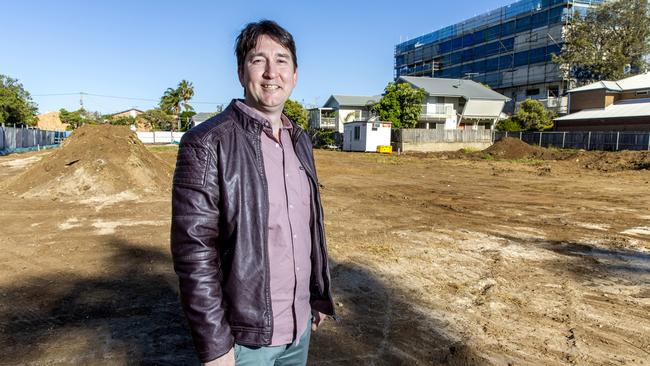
x: 270, y: 87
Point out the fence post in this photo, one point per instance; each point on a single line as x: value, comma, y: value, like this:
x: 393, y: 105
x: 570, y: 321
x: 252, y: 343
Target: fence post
x: 540, y: 139
x: 563, y: 138
x: 618, y: 134
x: 506, y: 134
x: 520, y: 133
x: 589, y: 140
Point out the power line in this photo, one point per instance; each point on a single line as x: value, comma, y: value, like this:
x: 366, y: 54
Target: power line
x: 117, y: 97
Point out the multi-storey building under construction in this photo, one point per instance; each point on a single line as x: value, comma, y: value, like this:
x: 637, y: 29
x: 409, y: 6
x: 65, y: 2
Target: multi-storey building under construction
x: 509, y: 48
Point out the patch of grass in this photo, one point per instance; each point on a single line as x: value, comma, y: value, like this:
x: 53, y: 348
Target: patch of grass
x: 487, y: 157
x: 469, y: 150
x: 161, y: 148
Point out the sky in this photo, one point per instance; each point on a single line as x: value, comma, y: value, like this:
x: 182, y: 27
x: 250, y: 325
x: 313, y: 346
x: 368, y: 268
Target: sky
x: 125, y: 54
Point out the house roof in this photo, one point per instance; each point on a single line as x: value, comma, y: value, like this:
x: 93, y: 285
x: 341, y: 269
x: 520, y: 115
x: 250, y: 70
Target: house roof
x: 353, y: 100
x: 467, y: 89
x: 128, y: 110
x: 620, y: 109
x: 640, y: 81
x: 202, y: 116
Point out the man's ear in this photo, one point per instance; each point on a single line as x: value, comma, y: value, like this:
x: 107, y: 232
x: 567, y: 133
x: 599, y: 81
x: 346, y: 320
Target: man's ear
x: 240, y: 75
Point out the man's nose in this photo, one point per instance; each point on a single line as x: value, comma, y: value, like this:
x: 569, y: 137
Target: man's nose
x: 271, y: 70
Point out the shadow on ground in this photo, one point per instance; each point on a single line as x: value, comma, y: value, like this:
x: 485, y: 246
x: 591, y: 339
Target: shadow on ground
x: 131, y: 315
x: 586, y: 259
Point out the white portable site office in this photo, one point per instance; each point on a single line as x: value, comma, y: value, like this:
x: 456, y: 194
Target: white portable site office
x: 365, y: 135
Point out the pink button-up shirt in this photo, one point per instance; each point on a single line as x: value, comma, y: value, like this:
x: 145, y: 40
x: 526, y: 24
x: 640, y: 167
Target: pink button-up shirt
x: 289, y: 238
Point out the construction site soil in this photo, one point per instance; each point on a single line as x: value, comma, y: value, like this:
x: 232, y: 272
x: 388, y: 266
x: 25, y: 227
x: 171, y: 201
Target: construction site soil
x: 509, y: 256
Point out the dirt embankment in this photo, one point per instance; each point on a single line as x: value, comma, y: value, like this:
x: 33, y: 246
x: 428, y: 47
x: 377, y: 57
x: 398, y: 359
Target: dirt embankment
x: 515, y: 149
x: 95, y: 162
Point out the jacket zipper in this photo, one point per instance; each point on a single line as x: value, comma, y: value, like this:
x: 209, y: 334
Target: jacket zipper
x: 267, y: 287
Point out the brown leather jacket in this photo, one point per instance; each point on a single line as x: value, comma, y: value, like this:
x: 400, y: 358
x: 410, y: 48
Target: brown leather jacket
x: 219, y: 233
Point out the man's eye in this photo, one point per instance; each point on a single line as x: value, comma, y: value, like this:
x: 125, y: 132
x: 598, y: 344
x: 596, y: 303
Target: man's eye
x: 257, y: 61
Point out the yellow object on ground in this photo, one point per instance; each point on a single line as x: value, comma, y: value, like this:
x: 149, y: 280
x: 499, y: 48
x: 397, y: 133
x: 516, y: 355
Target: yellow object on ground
x: 384, y: 149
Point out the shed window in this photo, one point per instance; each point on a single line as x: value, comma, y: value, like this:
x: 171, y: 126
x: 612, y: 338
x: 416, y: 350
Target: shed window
x: 642, y: 92
x: 357, y: 133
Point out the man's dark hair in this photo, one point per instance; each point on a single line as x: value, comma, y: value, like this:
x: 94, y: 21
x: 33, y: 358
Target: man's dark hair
x: 247, y: 39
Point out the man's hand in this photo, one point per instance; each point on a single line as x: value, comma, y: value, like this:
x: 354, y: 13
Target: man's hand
x: 226, y: 360
x: 318, y: 318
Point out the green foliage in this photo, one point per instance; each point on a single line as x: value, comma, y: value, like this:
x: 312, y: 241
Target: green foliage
x: 170, y: 102
x: 297, y: 113
x: 532, y: 116
x: 609, y: 38
x: 186, y: 119
x: 322, y: 137
x: 157, y: 120
x: 173, y: 99
x: 509, y: 124
x: 16, y: 105
x: 122, y: 121
x: 76, y: 119
x: 401, y: 104
x: 186, y: 92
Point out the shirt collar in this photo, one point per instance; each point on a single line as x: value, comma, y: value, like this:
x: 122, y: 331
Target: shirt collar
x: 258, y: 117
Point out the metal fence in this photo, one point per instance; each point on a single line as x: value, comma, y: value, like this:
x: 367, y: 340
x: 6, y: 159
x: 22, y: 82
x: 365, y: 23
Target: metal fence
x: 588, y: 140
x: 421, y: 135
x: 25, y: 138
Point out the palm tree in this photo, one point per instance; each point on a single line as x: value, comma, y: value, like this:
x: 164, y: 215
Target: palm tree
x: 170, y: 102
x: 186, y: 92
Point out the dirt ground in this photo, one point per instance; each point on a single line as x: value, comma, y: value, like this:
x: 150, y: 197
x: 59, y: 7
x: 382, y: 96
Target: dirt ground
x: 436, y: 260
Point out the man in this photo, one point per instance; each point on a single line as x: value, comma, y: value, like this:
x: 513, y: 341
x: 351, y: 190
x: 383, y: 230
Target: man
x: 247, y: 234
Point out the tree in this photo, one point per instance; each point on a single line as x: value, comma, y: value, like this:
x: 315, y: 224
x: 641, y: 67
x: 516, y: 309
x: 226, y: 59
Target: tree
x: 297, y: 113
x: 122, y: 121
x: 186, y: 92
x: 16, y: 105
x: 173, y: 99
x: 76, y: 119
x: 508, y: 124
x: 608, y: 41
x: 532, y: 116
x: 156, y: 119
x: 401, y: 104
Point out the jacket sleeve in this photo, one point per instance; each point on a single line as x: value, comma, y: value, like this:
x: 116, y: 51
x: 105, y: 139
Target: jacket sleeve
x: 194, y: 240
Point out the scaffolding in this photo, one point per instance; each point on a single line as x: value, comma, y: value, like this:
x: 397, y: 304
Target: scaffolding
x: 508, y: 48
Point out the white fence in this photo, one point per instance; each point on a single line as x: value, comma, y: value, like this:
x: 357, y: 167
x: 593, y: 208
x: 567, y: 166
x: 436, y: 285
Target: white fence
x: 418, y: 135
x: 160, y: 137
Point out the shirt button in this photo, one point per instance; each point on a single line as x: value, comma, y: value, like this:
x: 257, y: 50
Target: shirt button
x: 277, y: 145
x: 290, y: 206
x: 297, y: 268
x: 295, y: 236
x: 287, y: 174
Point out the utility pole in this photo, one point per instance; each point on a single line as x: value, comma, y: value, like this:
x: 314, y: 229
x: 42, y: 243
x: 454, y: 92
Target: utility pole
x: 81, y: 100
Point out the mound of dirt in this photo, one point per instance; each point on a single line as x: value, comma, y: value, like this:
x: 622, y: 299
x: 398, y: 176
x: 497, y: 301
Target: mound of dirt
x: 95, y: 164
x: 514, y: 149
x: 613, y: 161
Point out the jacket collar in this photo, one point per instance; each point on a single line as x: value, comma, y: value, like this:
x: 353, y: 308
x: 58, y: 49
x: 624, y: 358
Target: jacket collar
x: 253, y: 121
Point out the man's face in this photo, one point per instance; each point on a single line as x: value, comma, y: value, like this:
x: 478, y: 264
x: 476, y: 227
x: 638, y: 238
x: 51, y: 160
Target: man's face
x: 268, y: 74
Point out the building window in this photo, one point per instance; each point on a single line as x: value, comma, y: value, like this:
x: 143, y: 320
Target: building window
x: 357, y: 133
x: 641, y: 92
x: 531, y: 92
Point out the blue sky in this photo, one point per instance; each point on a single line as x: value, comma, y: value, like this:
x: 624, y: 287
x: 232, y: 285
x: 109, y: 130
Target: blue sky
x: 137, y: 49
